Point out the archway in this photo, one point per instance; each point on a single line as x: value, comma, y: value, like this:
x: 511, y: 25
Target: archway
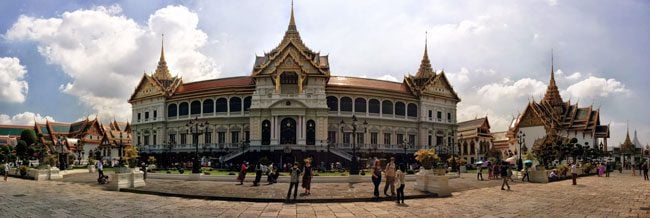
x: 311, y: 132
x: 288, y: 131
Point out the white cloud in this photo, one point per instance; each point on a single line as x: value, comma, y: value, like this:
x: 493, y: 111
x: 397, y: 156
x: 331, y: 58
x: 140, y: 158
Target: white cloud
x: 388, y: 78
x: 105, y: 52
x: 25, y: 118
x: 508, y: 90
x: 596, y: 87
x: 574, y: 76
x: 461, y: 77
x: 470, y: 112
x: 552, y: 2
x: 12, y: 74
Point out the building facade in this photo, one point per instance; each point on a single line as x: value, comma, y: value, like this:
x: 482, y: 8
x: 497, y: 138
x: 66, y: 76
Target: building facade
x: 474, y: 139
x: 290, y: 102
x: 544, y: 122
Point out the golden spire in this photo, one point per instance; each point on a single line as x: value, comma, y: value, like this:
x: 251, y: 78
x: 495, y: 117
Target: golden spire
x: 627, y: 144
x: 292, y: 21
x: 162, y: 72
x: 552, y: 95
x: 425, y: 70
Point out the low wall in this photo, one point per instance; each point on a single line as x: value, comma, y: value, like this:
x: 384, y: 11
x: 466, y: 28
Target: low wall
x: 281, y: 179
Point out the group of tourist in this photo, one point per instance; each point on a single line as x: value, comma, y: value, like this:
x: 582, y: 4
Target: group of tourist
x: 393, y: 175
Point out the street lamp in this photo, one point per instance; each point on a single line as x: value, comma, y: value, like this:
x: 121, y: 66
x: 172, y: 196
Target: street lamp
x: 121, y: 150
x: 354, y: 169
x: 404, y: 144
x: 521, y: 140
x: 196, y: 128
x: 79, y: 153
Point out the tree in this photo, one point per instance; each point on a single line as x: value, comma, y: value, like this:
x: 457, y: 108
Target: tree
x: 5, y: 153
x: 495, y: 153
x: 21, y: 149
x: 29, y: 136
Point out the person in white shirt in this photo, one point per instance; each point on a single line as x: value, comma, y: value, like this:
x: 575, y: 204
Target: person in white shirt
x: 6, y: 170
x: 100, y: 169
x: 401, y: 182
x: 574, y: 172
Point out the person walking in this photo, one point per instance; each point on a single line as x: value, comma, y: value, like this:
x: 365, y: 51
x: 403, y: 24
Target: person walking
x: 294, y: 174
x: 6, y: 169
x: 526, y: 177
x: 574, y: 172
x: 390, y: 177
x: 644, y: 167
x: 307, y: 175
x: 479, y: 173
x: 504, y: 175
x: 608, y: 167
x: 242, y: 173
x: 270, y: 175
x: 100, y: 169
x: 258, y: 174
x: 376, y: 178
x: 401, y: 182
x: 509, y: 168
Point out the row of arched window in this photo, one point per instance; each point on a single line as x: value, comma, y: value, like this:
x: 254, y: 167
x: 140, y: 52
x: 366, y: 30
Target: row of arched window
x: 386, y: 107
x: 208, y: 106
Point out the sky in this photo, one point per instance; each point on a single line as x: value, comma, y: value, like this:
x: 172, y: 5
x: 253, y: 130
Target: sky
x: 68, y: 60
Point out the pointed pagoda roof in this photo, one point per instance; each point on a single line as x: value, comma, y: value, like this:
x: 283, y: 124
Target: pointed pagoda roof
x: 162, y: 72
x: 552, y: 95
x: 425, y: 70
x: 636, y: 141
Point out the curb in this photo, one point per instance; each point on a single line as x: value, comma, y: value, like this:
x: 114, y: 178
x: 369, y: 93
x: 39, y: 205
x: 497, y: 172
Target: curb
x: 273, y: 200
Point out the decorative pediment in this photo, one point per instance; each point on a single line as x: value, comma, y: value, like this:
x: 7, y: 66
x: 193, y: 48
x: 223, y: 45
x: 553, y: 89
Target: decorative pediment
x: 529, y: 118
x: 147, y: 88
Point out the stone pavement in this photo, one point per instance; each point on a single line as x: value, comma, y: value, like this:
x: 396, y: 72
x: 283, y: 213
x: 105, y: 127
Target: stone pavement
x: 320, y: 191
x: 620, y: 195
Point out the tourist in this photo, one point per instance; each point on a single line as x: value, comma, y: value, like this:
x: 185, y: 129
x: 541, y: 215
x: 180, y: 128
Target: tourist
x: 620, y: 168
x: 390, y: 177
x: 608, y: 167
x: 6, y: 168
x: 401, y: 182
x: 497, y: 170
x: 574, y: 172
x: 479, y: 173
x: 100, y: 169
x: 504, y: 176
x: 270, y: 175
x: 294, y: 173
x: 242, y: 173
x: 490, y: 171
x: 307, y: 175
x: 639, y: 167
x: 644, y: 167
x: 376, y: 178
x: 526, y: 177
x: 258, y: 174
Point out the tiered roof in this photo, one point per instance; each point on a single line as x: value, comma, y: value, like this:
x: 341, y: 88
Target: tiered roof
x: 479, y: 127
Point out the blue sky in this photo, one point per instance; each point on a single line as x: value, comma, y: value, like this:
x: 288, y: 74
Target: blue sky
x: 65, y: 60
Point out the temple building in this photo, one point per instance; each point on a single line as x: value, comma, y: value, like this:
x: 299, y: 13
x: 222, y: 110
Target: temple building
x: 542, y: 122
x: 290, y: 106
x: 629, y: 152
x: 78, y: 139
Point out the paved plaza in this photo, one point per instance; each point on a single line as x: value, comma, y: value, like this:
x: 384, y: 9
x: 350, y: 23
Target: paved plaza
x: 620, y: 195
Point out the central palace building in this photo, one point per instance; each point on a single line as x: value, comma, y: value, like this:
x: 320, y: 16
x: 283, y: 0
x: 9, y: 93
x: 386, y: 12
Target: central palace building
x: 291, y: 105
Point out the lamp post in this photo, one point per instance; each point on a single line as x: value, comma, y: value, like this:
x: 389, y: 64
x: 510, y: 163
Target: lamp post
x: 404, y: 145
x: 61, y: 158
x: 196, y: 128
x: 521, y: 140
x: 121, y: 163
x: 354, y: 169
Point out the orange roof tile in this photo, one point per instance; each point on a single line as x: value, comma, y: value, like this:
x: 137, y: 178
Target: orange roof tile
x: 243, y: 81
x: 368, y: 83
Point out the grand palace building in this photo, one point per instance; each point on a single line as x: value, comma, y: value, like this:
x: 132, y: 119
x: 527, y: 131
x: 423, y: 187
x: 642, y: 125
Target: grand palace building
x: 290, y: 104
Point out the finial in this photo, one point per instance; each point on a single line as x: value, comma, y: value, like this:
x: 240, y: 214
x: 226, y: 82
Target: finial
x: 426, y: 37
x: 292, y: 21
x: 162, y: 48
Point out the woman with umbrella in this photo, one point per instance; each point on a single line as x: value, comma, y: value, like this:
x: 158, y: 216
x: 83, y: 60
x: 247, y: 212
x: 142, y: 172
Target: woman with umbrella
x: 479, y: 170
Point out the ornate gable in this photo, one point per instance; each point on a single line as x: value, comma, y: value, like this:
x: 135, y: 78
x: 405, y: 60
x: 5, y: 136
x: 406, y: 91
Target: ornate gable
x: 147, y: 88
x: 529, y: 118
x: 291, y: 53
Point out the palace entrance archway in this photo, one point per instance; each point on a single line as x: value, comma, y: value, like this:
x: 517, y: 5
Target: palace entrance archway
x: 288, y: 131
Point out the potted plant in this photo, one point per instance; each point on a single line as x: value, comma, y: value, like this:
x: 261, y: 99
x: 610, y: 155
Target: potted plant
x: 23, y: 170
x: 426, y: 157
x: 91, y: 164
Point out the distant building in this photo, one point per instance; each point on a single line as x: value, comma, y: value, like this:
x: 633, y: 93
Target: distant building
x: 630, y: 151
x: 545, y: 121
x: 474, y: 139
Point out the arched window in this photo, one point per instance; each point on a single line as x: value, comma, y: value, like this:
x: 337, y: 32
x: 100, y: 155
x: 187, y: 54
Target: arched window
x: 222, y: 105
x: 387, y: 107
x: 472, y: 148
x: 247, y: 103
x: 399, y: 109
x: 412, y: 110
x: 208, y: 106
x: 195, y: 107
x: 333, y: 103
x: 373, y: 106
x: 235, y: 105
x: 346, y: 104
x: 266, y: 132
x: 183, y: 109
x: 172, y: 110
x: 311, y: 132
x: 360, y: 105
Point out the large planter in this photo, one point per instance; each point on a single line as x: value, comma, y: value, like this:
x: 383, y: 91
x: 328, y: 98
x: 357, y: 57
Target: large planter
x: 92, y: 169
x: 124, y: 177
x: 538, y: 176
x: 428, y: 181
